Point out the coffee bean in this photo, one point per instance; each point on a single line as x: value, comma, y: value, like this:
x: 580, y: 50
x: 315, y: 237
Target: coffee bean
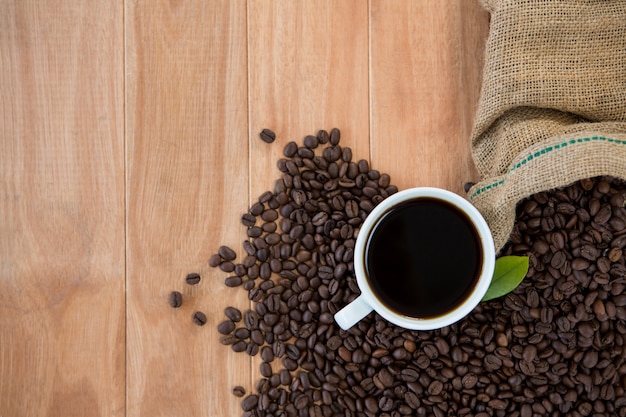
x: 529, y: 353
x: 615, y: 254
x: 199, y: 318
x: 586, y: 330
x: 498, y: 404
x: 227, y: 266
x: 265, y: 369
x: 527, y: 368
x: 565, y: 208
x: 335, y: 135
x: 226, y: 327
x: 589, y: 252
x: 305, y: 153
x: 233, y: 281
x: 175, y: 299
x: 366, y: 205
x: 385, y: 403
x: 558, y: 260
x: 238, y: 391
x: 435, y: 387
x: 590, y: 359
x: 311, y: 142
x: 215, y: 260
x: 469, y: 381
x: 248, y: 220
x: 226, y: 253
x: 603, y: 215
x: 346, y: 155
x: 269, y: 215
x: 580, y: 264
x: 250, y: 402
x: 242, y: 333
x: 492, y: 362
x: 290, y: 149
x: 332, y: 154
x: 541, y: 247
x: 256, y: 336
x: 267, y: 136
x: 192, y: 278
x: 255, y: 231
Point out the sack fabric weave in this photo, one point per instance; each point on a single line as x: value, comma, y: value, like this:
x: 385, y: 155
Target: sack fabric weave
x: 552, y: 109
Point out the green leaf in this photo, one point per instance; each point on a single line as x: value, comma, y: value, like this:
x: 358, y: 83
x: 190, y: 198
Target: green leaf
x: 508, y: 273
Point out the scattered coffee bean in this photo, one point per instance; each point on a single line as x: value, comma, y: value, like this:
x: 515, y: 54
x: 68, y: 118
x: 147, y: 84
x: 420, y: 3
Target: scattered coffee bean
x: 176, y: 299
x: 239, y: 391
x: 267, y: 136
x: 199, y: 318
x: 192, y: 279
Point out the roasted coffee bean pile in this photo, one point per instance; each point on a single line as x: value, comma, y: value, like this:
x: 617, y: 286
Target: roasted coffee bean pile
x: 566, y: 324
x: 553, y: 347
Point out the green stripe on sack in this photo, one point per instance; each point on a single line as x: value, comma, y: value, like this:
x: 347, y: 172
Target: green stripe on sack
x: 545, y: 151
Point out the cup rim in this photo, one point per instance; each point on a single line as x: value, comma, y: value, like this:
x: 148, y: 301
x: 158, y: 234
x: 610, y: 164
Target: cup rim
x: 484, y: 279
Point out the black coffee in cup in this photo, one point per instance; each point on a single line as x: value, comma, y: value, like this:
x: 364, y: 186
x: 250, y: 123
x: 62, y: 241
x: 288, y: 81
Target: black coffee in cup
x: 423, y: 257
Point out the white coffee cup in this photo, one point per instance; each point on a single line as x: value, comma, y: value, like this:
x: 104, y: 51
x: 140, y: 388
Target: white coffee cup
x: 369, y: 300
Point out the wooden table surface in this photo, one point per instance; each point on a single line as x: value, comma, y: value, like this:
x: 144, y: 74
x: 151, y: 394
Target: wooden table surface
x: 129, y: 150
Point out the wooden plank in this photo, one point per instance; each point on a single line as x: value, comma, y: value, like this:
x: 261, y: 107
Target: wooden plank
x: 62, y: 307
x: 426, y: 61
x: 308, y: 71
x: 187, y: 162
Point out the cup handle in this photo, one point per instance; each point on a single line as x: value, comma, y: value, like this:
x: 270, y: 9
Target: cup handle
x: 353, y: 313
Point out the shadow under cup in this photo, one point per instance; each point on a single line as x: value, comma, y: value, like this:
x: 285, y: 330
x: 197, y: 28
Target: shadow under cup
x: 424, y: 258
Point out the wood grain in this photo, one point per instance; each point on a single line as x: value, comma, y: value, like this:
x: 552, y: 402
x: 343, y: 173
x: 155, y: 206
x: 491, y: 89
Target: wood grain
x: 426, y: 62
x: 187, y: 162
x: 61, y: 209
x: 308, y: 65
x: 129, y: 150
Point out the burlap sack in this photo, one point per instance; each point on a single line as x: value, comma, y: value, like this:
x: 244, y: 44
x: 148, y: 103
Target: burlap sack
x: 553, y: 102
